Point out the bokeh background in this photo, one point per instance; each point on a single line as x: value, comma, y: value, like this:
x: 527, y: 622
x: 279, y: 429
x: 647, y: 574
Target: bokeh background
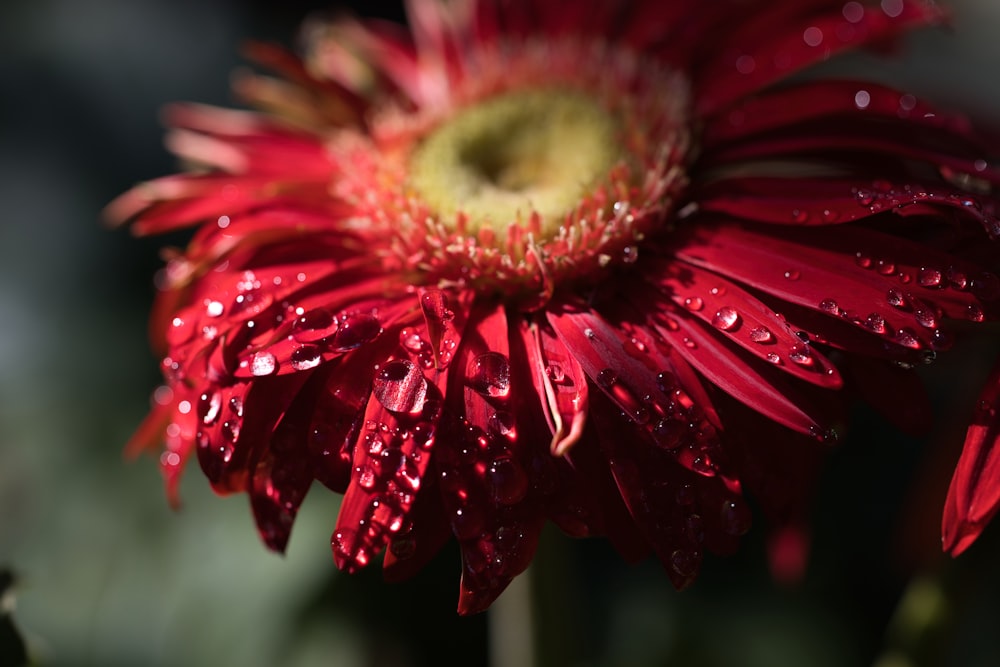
x: 109, y: 576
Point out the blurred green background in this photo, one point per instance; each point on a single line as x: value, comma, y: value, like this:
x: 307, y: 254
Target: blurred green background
x: 109, y: 576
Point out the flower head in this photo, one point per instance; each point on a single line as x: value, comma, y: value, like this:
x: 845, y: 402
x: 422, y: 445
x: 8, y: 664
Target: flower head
x: 602, y: 264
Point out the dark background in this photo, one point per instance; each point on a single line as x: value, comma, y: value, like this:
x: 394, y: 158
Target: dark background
x: 109, y: 576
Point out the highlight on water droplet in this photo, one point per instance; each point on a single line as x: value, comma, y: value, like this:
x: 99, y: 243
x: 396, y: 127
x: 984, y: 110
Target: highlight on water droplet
x: 263, y: 363
x: 761, y: 335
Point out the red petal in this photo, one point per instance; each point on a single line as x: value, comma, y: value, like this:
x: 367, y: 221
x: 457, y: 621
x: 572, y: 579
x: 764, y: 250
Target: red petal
x: 648, y: 386
x: 390, y: 458
x: 780, y: 41
x: 828, y: 201
x: 889, y: 286
x: 699, y: 298
x: 282, y: 473
x: 974, y: 494
x: 560, y: 383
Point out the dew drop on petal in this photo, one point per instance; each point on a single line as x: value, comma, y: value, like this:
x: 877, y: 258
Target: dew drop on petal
x: 489, y: 374
x: 507, y: 480
x: 875, y: 323
x: 314, y: 325
x: 400, y: 387
x: 209, y: 407
x: 694, y: 303
x: 263, y: 363
x: 735, y: 516
x: 630, y: 254
x: 773, y: 358
x: 925, y: 317
x: 792, y: 274
x: 975, y: 313
x: 356, y: 330
x: 606, y: 378
x: 829, y: 306
x: 306, y: 357
x: 761, y: 335
x: 929, y: 277
x: 684, y: 563
x: 895, y: 298
x: 726, y: 319
x: 801, y: 355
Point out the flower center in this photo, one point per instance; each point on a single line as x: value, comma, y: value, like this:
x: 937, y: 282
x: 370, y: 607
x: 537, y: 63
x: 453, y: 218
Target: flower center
x: 527, y: 152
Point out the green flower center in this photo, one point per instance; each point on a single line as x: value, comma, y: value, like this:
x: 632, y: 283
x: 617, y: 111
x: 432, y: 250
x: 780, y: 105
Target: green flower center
x: 496, y: 163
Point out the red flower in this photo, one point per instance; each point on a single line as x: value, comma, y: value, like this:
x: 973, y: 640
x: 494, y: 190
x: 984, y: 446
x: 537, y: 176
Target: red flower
x: 598, y: 263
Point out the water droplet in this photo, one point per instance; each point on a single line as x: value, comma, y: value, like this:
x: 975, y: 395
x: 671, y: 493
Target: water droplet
x: 875, y: 323
x: 507, y: 480
x: 929, y: 277
x: 862, y: 99
x: 694, y: 303
x: 792, y: 274
x: 502, y: 423
x: 467, y: 522
x: 726, y: 319
x: 314, y: 325
x: 864, y: 196
x: 489, y: 374
x: 761, y: 335
x: 895, y: 298
x: 925, y: 317
x: 263, y: 363
x: 885, y: 267
x: 958, y: 279
x: 606, y: 378
x: 773, y: 358
x: 829, y: 306
x: 669, y: 433
x: 356, y: 330
x: 907, y: 338
x: 366, y: 477
x: 306, y: 357
x: 209, y: 407
x: 801, y: 355
x: 685, y: 563
x: 735, y: 516
x: 408, y: 474
x: 400, y: 387
x: 975, y: 313
x: 630, y: 254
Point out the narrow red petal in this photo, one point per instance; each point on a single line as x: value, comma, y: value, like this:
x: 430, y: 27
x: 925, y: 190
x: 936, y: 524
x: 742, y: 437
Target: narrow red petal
x: 974, y: 495
x: 560, y: 383
x: 767, y: 47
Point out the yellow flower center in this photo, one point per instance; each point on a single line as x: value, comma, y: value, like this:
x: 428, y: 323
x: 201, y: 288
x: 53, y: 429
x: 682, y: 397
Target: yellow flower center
x: 498, y: 162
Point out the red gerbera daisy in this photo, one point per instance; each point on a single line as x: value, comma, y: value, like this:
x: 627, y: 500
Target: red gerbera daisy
x: 599, y: 263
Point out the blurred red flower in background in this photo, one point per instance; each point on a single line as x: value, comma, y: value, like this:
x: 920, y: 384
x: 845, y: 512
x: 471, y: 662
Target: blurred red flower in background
x: 604, y: 264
